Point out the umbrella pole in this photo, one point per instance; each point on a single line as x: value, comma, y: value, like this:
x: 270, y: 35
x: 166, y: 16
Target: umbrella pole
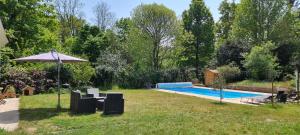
x: 58, y: 86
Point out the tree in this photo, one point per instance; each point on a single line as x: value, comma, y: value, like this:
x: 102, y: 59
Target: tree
x: 158, y: 22
x: 111, y: 61
x: 83, y: 35
x: 124, y: 25
x: 138, y: 45
x: 91, y: 42
x: 224, y: 25
x: 256, y: 20
x: 104, y: 18
x: 31, y: 26
x: 230, y: 52
x: 69, y: 16
x: 296, y: 64
x: 260, y: 62
x: 199, y: 22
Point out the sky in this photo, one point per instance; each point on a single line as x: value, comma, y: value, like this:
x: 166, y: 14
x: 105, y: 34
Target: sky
x: 123, y: 8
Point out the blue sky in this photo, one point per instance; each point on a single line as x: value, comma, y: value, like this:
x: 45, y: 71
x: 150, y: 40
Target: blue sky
x: 123, y: 8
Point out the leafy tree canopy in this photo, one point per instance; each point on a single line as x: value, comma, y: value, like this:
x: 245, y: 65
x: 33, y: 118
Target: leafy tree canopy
x: 199, y: 22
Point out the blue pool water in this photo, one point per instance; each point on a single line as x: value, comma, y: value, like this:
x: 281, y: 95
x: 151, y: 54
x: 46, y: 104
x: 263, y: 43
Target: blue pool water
x: 213, y: 93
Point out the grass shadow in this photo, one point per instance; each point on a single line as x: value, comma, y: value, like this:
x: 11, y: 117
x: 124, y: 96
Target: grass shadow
x: 219, y: 103
x: 110, y: 115
x: 35, y: 114
x: 79, y: 114
x: 275, y: 106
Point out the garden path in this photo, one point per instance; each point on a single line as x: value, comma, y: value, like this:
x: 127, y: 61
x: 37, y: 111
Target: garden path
x: 9, y: 114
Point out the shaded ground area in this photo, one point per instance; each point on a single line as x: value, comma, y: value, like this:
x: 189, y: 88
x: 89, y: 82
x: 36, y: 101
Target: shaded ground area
x: 154, y: 112
x: 9, y: 114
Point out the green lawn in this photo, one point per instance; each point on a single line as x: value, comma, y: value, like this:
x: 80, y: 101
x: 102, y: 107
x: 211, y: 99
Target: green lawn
x: 153, y: 112
x: 285, y: 84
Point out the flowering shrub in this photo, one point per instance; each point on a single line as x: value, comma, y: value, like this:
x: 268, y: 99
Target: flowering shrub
x: 20, y: 78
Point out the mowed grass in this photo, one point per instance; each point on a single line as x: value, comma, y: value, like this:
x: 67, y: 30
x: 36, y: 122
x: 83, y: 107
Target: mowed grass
x: 157, y: 113
x: 286, y: 84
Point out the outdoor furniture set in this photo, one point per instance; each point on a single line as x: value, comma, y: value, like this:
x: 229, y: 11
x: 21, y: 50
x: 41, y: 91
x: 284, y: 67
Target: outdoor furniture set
x: 109, y: 103
x: 280, y: 97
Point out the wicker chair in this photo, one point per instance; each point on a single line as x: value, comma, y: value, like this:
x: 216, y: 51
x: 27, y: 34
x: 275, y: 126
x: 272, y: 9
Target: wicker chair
x: 82, y: 104
x: 113, y: 104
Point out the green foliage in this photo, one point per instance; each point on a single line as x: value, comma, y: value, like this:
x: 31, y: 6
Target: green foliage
x: 261, y: 63
x: 112, y: 62
x: 66, y: 75
x: 146, y: 79
x: 11, y: 89
x: 199, y: 22
x: 91, y: 42
x: 256, y: 20
x: 153, y: 45
x: 29, y: 24
x: 224, y: 25
x: 158, y: 23
x: 83, y: 35
x: 82, y: 73
x: 124, y: 26
x: 68, y: 14
x: 109, y: 66
x: 5, y: 61
x: 138, y: 47
x: 229, y: 72
x: 230, y: 52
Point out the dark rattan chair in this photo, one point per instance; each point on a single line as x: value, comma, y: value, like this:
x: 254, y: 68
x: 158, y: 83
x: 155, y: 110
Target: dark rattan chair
x: 113, y: 104
x: 82, y: 104
x: 283, y: 98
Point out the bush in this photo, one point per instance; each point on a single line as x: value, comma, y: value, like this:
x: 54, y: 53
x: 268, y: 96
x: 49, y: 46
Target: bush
x: 229, y: 72
x: 148, y: 79
x: 260, y: 62
x: 39, y: 80
x: 66, y: 75
x: 20, y: 78
x: 103, y: 78
x: 230, y: 51
x: 82, y: 73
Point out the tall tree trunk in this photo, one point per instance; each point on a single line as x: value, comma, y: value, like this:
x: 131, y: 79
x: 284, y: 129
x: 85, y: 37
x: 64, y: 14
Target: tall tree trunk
x: 197, y: 58
x: 155, y: 59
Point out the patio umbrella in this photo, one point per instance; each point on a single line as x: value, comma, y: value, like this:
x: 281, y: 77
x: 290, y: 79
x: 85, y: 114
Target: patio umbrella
x: 54, y: 57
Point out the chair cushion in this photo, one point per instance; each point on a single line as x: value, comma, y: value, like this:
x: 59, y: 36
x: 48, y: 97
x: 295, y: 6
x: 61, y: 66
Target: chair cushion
x: 93, y: 91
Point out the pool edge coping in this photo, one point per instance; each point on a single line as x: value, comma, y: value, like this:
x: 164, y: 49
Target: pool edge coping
x: 228, y: 100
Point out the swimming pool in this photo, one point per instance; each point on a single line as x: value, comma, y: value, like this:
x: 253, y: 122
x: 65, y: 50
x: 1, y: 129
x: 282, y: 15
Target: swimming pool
x: 213, y: 93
